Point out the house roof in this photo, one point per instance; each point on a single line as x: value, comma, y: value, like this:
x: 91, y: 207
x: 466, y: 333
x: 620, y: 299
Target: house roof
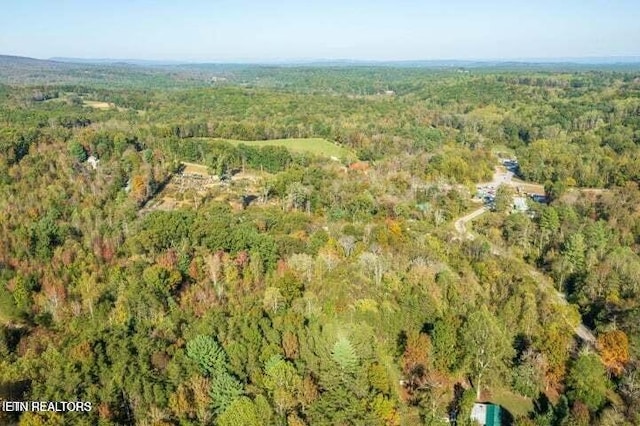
x: 493, y: 415
x: 520, y: 204
x: 93, y: 161
x: 486, y: 414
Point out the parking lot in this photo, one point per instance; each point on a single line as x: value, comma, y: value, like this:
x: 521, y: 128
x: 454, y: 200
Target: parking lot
x: 486, y: 192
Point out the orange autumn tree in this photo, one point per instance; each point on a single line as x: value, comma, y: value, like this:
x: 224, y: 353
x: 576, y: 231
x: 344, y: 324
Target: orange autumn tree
x: 614, y: 350
x: 139, y: 188
x: 415, y: 360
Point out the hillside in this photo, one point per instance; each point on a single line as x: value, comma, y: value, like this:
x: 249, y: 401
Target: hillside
x: 179, y: 250
x: 16, y: 70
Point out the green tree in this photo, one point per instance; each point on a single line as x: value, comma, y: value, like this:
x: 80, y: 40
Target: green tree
x: 445, y: 343
x: 527, y: 379
x: 587, y: 381
x: 517, y: 230
x: 77, y: 151
x: 554, y: 190
x: 161, y: 279
x: 344, y: 354
x: 8, y: 305
x: 504, y: 199
x: 298, y: 195
x: 549, y: 225
x: 212, y: 359
x: 574, y: 253
x: 339, y: 407
x: 225, y: 389
x: 243, y: 412
x: 208, y: 354
x: 486, y: 345
x: 283, y: 383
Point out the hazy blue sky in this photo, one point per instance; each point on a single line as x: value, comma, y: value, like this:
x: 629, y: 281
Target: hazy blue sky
x: 225, y: 30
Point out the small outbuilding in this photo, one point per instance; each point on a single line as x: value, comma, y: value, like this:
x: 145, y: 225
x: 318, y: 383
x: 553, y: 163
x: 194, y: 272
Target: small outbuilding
x: 93, y: 161
x: 486, y: 414
x: 520, y: 205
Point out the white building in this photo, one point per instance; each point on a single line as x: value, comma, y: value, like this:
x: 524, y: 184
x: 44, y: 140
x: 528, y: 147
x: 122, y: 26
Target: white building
x: 93, y: 162
x: 520, y: 205
x: 486, y: 414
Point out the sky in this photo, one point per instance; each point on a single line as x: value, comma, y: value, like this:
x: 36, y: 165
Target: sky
x: 268, y: 30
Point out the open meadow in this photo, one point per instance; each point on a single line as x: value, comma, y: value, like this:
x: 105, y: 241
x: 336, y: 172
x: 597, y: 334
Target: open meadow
x: 315, y: 146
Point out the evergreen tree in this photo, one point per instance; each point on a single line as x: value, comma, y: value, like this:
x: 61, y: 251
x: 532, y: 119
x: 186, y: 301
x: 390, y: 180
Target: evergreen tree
x: 344, y: 354
x: 225, y: 389
x: 574, y: 253
x: 77, y: 151
x: 208, y: 354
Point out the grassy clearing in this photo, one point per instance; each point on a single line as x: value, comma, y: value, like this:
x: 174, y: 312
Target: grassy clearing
x: 195, y: 169
x: 108, y: 105
x: 97, y: 104
x: 316, y: 146
x: 517, y: 405
x: 530, y: 188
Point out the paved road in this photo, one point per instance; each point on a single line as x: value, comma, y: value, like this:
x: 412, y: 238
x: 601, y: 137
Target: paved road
x: 500, y: 176
x: 581, y: 330
x: 544, y: 283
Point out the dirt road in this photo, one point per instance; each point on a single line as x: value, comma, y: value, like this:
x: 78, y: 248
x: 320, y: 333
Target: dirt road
x: 461, y: 224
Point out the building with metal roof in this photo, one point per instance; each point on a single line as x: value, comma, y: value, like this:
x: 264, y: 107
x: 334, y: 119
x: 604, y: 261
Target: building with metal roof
x: 486, y: 414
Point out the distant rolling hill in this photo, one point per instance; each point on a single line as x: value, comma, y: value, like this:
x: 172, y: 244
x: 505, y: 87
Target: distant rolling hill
x: 8, y: 62
x: 111, y: 61
x: 19, y: 71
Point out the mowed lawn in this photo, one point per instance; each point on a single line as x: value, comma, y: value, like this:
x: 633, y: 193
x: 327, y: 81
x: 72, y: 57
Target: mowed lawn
x: 98, y: 104
x: 517, y: 405
x: 316, y: 146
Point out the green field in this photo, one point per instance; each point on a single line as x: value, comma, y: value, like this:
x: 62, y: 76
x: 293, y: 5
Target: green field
x: 316, y: 146
x: 517, y: 405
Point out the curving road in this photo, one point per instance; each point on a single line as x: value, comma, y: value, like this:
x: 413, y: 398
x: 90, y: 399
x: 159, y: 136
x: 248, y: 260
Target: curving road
x: 460, y: 225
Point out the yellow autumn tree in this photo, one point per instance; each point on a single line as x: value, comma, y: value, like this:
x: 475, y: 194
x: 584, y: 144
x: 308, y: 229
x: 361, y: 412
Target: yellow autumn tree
x: 614, y: 350
x: 139, y: 188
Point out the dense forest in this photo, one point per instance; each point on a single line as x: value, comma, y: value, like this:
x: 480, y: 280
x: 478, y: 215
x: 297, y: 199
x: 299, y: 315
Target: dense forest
x: 282, y: 287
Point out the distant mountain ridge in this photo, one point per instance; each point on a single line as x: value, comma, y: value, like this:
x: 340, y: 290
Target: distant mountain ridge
x: 19, y: 70
x: 113, y: 61
x: 436, y: 63
x: 23, y: 59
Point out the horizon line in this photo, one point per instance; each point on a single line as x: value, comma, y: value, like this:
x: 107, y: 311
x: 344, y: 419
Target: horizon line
x: 595, y: 59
